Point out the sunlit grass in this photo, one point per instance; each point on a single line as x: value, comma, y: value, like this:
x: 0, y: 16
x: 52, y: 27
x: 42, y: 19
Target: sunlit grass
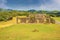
x: 25, y: 32
x: 8, y: 23
x: 57, y: 18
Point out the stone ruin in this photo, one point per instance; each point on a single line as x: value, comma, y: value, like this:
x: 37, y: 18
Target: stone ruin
x: 35, y: 18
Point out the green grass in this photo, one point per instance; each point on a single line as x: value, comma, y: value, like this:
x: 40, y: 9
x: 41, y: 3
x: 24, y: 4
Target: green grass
x: 57, y: 18
x: 25, y: 32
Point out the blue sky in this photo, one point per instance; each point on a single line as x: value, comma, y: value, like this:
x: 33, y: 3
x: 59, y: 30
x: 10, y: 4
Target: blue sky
x: 30, y: 4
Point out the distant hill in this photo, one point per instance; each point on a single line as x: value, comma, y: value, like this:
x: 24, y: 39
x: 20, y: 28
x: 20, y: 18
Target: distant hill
x: 1, y: 9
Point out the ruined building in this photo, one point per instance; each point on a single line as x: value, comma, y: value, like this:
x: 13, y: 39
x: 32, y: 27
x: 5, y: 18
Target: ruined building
x: 35, y: 18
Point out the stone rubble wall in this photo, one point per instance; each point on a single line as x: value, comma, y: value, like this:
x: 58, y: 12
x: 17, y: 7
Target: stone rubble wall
x: 36, y: 19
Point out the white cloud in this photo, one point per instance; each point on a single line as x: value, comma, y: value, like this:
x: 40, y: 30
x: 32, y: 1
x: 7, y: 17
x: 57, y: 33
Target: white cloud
x: 55, y: 5
x: 3, y: 4
x: 56, y: 1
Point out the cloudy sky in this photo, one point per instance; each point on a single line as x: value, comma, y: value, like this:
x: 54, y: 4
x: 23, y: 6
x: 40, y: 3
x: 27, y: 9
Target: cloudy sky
x: 30, y: 4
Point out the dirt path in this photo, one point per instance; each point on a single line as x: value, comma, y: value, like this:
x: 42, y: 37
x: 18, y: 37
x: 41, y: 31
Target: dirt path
x: 57, y: 22
x: 8, y: 23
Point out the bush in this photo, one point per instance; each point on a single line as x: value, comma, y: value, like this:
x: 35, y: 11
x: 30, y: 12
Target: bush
x: 4, y: 16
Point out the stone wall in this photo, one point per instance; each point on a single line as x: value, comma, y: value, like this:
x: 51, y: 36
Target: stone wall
x: 41, y: 18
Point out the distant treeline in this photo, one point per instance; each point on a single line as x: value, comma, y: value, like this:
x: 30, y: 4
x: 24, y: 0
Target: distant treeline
x: 8, y: 14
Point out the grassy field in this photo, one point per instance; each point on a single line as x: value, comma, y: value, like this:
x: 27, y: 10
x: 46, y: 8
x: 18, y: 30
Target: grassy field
x: 11, y: 31
x: 25, y: 32
x: 57, y: 18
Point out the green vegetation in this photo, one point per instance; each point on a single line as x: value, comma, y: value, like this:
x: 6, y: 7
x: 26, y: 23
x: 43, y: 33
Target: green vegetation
x: 25, y: 32
x: 8, y: 14
x: 57, y: 18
